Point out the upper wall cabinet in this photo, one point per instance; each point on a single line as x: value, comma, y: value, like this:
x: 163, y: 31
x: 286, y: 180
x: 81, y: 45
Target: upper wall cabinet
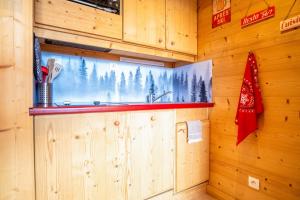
x: 144, y: 22
x: 181, y: 26
x: 74, y: 16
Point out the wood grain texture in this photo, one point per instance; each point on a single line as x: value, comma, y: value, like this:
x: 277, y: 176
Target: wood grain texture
x: 74, y: 16
x: 80, y: 157
x: 151, y: 153
x: 181, y: 26
x: 117, y: 46
x: 144, y: 22
x: 16, y: 131
x: 128, y: 155
x: 192, y: 160
x: 271, y: 153
x: 88, y: 53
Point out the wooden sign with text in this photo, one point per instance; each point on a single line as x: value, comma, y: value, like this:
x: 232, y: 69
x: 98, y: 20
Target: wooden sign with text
x: 258, y: 16
x: 290, y: 23
x: 221, y: 12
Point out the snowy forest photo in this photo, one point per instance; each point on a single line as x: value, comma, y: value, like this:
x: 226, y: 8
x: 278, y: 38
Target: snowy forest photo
x: 85, y: 79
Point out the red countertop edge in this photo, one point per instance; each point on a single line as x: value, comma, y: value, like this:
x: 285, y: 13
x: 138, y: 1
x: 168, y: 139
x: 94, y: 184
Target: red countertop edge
x: 54, y: 110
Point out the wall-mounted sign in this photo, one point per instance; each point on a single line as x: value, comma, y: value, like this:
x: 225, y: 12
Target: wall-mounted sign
x: 221, y: 12
x: 290, y: 23
x: 258, y: 16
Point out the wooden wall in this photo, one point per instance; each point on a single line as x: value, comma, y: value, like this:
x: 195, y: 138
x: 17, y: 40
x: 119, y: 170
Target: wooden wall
x: 272, y: 154
x: 16, y: 135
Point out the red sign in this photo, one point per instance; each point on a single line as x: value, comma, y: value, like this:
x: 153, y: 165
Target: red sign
x: 221, y: 12
x: 290, y: 23
x: 258, y: 17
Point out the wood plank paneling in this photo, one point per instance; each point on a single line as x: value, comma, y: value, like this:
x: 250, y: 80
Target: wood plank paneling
x: 75, y: 16
x: 122, y: 155
x: 181, y: 26
x: 151, y: 147
x: 118, y: 47
x: 81, y: 157
x: 16, y: 128
x: 271, y: 153
x: 144, y: 22
x: 192, y: 160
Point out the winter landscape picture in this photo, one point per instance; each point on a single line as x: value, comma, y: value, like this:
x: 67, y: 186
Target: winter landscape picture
x: 193, y: 83
x: 85, y: 79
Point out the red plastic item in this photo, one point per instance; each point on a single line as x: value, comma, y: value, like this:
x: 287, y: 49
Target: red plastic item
x: 45, y: 72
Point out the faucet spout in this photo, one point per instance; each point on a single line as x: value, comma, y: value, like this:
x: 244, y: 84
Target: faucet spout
x: 150, y: 98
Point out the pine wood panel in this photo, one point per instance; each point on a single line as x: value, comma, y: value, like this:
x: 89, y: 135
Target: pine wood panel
x: 127, y: 155
x: 74, y: 16
x: 164, y: 196
x: 81, y: 157
x: 272, y: 153
x: 181, y: 26
x: 16, y: 131
x: 118, y: 47
x: 144, y: 22
x: 192, y: 160
x: 151, y: 153
x: 6, y: 42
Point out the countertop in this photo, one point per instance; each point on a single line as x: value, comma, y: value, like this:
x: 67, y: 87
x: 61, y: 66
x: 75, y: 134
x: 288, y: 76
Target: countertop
x: 52, y: 110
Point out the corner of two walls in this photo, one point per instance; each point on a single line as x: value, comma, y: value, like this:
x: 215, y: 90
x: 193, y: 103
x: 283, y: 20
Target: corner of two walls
x: 272, y: 153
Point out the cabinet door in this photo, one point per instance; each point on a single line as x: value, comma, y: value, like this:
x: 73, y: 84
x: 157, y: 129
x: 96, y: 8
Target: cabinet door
x: 151, y: 153
x: 77, y: 17
x: 192, y: 160
x: 144, y: 22
x: 80, y: 156
x: 181, y: 26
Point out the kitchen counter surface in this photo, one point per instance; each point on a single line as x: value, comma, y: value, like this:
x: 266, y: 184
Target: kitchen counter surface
x: 52, y: 110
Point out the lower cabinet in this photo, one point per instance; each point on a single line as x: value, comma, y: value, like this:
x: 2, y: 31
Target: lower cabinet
x: 150, y: 153
x: 105, y: 156
x: 192, y: 160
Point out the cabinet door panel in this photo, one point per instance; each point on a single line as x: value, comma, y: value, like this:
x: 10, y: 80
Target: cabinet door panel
x: 144, y: 22
x: 151, y: 157
x: 181, y: 26
x: 192, y: 163
x: 80, y: 156
x: 78, y: 17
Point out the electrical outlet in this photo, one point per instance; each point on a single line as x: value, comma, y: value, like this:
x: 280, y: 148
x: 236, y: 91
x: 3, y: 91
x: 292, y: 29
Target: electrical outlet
x: 253, y: 182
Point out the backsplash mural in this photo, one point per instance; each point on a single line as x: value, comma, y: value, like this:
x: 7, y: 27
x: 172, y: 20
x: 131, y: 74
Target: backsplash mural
x: 84, y: 80
x: 193, y: 83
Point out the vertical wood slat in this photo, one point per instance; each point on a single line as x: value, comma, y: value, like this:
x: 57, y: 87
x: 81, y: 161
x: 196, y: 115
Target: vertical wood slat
x: 16, y: 131
x: 144, y: 22
x: 181, y: 26
x: 126, y: 155
x: 271, y: 153
x: 192, y: 160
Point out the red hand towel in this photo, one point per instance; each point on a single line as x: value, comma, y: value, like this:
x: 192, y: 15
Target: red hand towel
x: 250, y: 102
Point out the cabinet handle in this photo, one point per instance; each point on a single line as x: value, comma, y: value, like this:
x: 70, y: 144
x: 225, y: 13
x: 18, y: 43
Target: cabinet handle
x: 116, y: 123
x: 160, y: 40
x: 152, y: 118
x: 172, y: 43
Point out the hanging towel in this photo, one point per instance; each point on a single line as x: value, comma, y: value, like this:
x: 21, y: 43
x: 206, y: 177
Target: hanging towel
x: 194, y: 129
x: 250, y: 102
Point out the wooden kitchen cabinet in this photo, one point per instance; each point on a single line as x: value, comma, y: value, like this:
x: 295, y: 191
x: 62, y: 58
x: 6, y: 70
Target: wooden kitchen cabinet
x: 151, y: 153
x: 77, y: 17
x: 181, y: 26
x: 192, y: 160
x: 144, y: 22
x: 80, y: 156
x: 127, y: 155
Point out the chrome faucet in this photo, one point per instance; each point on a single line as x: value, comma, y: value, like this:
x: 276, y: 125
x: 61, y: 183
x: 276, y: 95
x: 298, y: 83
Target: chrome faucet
x: 151, y: 97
